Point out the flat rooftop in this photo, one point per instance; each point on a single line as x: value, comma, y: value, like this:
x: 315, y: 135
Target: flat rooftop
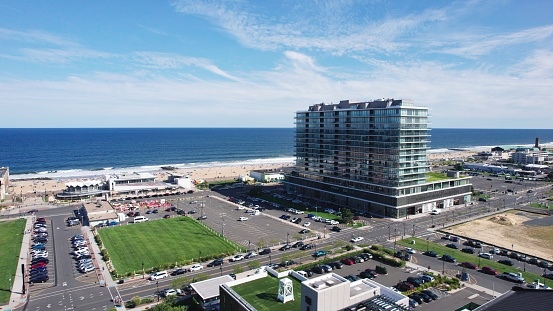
x: 210, y: 288
x: 359, y: 287
x: 325, y: 281
x: 262, y: 294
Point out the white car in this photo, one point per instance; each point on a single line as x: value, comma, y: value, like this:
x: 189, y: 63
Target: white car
x: 237, y: 258
x: 87, y: 269
x: 242, y: 218
x: 250, y: 255
x: 334, y: 222
x: 485, y: 255
x: 306, y: 224
x: 196, y: 267
x: 435, y: 212
x: 357, y: 239
x: 169, y: 292
x: 240, y: 207
x: 410, y: 250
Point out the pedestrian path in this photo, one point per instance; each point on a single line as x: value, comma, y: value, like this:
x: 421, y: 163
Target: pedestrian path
x: 19, y: 294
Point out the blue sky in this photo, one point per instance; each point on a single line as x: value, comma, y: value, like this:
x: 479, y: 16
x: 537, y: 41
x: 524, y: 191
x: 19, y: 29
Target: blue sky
x: 475, y: 64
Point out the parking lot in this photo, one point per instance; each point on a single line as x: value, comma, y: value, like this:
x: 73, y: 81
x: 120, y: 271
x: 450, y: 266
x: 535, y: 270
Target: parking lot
x: 223, y: 217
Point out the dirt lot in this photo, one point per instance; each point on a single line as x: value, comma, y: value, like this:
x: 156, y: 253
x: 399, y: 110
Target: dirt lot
x: 530, y: 233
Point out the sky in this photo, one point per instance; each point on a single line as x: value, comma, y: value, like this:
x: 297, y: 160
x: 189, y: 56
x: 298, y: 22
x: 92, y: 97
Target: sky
x: 74, y: 64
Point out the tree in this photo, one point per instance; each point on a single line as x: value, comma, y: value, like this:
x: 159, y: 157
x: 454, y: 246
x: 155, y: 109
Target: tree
x: 347, y: 216
x: 458, y: 167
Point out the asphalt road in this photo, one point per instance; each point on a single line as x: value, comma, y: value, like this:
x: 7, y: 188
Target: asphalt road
x: 71, y: 290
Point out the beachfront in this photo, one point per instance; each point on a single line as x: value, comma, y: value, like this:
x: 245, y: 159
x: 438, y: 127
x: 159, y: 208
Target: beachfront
x: 30, y: 188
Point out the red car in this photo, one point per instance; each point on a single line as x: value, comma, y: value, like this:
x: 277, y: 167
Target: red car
x: 167, y: 216
x: 404, y: 286
x: 347, y: 261
x: 38, y: 265
x: 40, y: 219
x: 469, y: 265
x: 489, y: 270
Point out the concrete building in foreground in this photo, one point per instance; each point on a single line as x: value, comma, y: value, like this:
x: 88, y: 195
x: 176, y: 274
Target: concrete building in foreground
x: 4, y: 181
x: 370, y: 157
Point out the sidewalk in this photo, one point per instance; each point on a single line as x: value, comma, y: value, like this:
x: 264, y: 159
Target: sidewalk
x: 19, y: 294
x: 102, y: 272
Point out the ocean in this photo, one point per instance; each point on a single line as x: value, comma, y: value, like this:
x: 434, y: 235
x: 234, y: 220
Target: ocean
x: 56, y: 153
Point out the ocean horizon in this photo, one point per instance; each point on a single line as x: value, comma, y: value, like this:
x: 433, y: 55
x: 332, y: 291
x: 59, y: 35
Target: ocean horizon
x: 66, y: 152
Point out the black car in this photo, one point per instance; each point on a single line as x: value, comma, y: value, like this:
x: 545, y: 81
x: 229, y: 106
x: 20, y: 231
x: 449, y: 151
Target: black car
x: 40, y: 240
x: 506, y: 262
x: 192, y: 211
x: 336, y: 229
x: 448, y: 258
x: 40, y: 259
x: 415, y: 281
x: 416, y: 298
x: 431, y: 254
x: 468, y: 250
x: 425, y: 297
x: 336, y: 265
x: 306, y: 246
x: 202, y: 217
x: 39, y: 279
x: 514, y: 255
x: 303, y: 231
x: 155, y: 211
x: 285, y: 247
x: 366, y: 275
x: 287, y: 263
x: 298, y: 244
x: 318, y: 269
x: 179, y: 271
x: 216, y: 262
x: 452, y: 245
x: 366, y: 256
x: 265, y: 251
x: 430, y: 293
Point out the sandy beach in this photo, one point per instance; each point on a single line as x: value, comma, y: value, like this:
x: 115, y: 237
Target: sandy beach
x: 38, y: 187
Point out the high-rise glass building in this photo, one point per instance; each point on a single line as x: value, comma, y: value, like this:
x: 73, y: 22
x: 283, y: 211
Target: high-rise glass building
x: 370, y: 157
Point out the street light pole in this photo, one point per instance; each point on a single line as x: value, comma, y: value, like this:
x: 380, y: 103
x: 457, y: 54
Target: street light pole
x: 142, y: 269
x: 389, y: 233
x: 157, y: 289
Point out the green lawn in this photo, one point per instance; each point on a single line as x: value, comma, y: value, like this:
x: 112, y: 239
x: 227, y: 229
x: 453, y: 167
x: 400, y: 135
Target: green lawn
x: 159, y: 242
x: 421, y: 245
x: 11, y: 237
x: 262, y: 294
x: 434, y: 176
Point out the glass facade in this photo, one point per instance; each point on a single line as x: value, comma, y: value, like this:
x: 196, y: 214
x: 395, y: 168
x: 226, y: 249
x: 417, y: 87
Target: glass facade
x: 369, y: 156
x: 385, y: 145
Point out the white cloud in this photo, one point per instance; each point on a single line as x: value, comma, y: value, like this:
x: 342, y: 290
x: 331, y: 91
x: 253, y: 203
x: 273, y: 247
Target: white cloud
x: 174, y: 61
x: 35, y: 36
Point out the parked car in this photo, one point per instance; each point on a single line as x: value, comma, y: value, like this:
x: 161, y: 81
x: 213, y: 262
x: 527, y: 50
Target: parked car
x: 250, y: 255
x: 336, y: 229
x: 468, y: 250
x: 298, y: 244
x: 265, y: 251
x: 489, y: 270
x: 429, y: 293
x: 237, y: 258
x: 336, y: 265
x: 426, y: 278
x: 320, y: 254
x: 366, y: 275
x: 469, y: 265
x: 242, y: 218
x: 366, y: 256
x: 347, y: 261
x: 285, y: 247
x: 431, y: 254
x: 505, y: 262
x: 452, y: 245
x: 304, y: 231
x: 196, y: 267
x: 405, y: 286
x: 514, y: 277
x: 216, y: 262
x: 415, y: 281
x: 485, y: 255
x: 307, y: 246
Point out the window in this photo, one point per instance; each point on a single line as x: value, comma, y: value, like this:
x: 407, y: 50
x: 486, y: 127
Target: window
x: 308, y: 301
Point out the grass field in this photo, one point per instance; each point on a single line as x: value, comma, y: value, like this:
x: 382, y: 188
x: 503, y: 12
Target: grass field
x: 11, y: 237
x: 262, y: 294
x: 161, y: 242
x: 421, y: 245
